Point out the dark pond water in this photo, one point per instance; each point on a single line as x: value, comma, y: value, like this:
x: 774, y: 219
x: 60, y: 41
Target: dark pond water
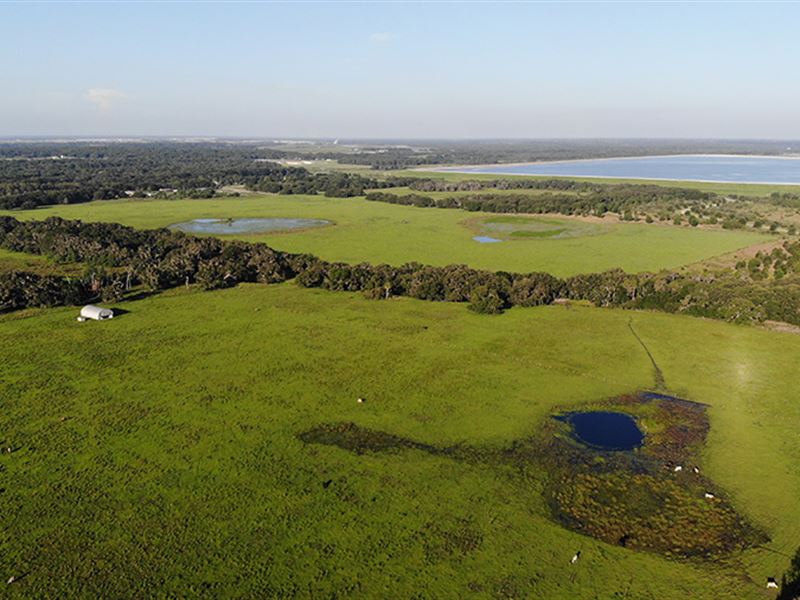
x: 606, y: 430
x: 235, y: 226
x: 753, y: 169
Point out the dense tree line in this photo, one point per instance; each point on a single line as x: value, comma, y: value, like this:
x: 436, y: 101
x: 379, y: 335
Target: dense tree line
x: 631, y: 202
x: 295, y: 180
x: 34, y: 175
x: 119, y: 257
x: 21, y: 290
x: 593, y: 199
x: 37, y: 174
x: 655, y: 192
x: 790, y: 583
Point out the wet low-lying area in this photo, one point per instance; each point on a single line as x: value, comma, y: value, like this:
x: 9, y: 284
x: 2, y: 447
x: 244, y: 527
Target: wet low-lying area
x: 603, y: 477
x: 508, y: 228
x: 652, y: 496
x: 252, y: 225
x: 605, y: 430
x: 350, y: 436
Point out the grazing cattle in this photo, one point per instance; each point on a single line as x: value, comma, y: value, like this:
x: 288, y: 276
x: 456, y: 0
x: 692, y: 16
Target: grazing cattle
x: 678, y: 469
x: 575, y: 557
x: 771, y: 583
x: 11, y: 580
x: 709, y: 496
x: 361, y: 400
x: 696, y: 470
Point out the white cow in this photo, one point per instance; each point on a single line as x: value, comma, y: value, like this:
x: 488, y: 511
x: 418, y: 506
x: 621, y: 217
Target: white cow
x: 771, y: 583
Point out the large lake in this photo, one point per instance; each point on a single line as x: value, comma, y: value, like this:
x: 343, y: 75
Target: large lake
x: 741, y: 169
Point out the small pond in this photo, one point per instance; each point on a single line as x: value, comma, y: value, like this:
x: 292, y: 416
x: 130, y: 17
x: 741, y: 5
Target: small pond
x: 485, y: 239
x: 236, y: 226
x: 605, y: 430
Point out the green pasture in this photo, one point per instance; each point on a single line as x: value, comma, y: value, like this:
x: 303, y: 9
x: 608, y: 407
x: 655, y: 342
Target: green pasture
x: 157, y: 453
x: 41, y: 265
x: 377, y: 232
x: 515, y: 227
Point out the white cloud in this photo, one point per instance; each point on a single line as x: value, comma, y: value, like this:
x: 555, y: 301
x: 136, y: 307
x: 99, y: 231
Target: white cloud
x: 103, y: 98
x: 383, y: 37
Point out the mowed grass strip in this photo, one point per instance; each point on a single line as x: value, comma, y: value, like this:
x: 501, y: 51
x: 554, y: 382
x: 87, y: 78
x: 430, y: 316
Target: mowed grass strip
x: 376, y: 232
x: 159, y: 450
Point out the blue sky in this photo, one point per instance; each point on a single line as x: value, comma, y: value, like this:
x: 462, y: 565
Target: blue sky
x: 400, y: 70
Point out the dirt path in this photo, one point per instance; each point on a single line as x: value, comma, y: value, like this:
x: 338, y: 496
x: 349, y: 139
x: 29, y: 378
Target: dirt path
x: 658, y: 374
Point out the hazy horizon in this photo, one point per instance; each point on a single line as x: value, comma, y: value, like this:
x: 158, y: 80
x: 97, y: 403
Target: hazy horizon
x: 344, y: 140
x: 401, y: 72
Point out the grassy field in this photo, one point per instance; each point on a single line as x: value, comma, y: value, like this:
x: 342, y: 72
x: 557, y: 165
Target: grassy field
x: 19, y: 261
x: 513, y: 227
x: 159, y: 451
x: 377, y: 232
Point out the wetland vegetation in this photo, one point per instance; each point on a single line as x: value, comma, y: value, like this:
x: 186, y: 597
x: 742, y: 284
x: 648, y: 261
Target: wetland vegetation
x: 608, y: 485
x: 232, y: 226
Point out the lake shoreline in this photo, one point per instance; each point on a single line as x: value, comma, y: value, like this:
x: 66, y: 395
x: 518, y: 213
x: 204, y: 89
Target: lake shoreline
x: 489, y: 169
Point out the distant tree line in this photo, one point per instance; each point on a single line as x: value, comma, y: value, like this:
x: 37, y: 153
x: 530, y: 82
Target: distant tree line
x: 33, y: 175
x: 295, y: 180
x: 120, y: 257
x: 595, y: 200
x: 386, y: 155
x: 631, y: 202
x: 38, y: 174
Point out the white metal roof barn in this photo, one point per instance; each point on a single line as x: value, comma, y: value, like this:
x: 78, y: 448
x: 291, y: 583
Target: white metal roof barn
x: 95, y: 313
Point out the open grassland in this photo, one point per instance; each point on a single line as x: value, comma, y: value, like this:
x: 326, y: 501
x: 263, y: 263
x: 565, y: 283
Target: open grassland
x: 723, y: 188
x: 19, y: 261
x: 159, y: 450
x: 511, y: 227
x: 41, y: 265
x: 376, y: 232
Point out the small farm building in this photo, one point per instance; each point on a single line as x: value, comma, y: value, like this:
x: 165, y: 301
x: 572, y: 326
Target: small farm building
x: 96, y: 313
